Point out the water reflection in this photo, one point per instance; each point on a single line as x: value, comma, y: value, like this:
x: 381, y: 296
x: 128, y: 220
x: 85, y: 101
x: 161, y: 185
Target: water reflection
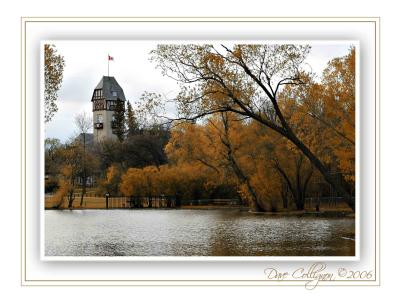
x: 194, y: 232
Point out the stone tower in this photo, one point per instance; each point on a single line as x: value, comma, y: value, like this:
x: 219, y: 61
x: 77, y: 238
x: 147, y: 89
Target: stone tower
x: 105, y: 97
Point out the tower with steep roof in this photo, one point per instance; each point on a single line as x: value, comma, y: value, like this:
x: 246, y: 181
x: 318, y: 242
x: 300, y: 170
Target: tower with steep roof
x: 104, y: 100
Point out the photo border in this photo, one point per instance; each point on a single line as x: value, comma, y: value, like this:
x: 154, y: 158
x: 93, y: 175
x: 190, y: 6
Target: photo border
x: 355, y: 257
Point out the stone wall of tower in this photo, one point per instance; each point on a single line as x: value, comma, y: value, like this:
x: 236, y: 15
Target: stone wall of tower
x: 106, y: 132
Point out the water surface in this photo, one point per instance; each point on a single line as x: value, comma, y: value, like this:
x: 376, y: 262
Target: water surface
x: 194, y: 232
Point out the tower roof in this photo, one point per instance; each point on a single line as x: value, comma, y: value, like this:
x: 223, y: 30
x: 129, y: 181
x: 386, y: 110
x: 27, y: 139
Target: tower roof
x: 111, y: 89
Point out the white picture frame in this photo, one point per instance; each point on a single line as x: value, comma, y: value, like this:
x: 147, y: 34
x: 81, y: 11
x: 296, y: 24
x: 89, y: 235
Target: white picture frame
x: 37, y: 268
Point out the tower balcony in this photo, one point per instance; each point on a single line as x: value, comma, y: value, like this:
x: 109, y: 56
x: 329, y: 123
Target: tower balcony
x: 98, y: 125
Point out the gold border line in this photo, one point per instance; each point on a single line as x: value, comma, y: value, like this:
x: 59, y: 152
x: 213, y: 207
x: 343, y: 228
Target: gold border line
x: 103, y: 282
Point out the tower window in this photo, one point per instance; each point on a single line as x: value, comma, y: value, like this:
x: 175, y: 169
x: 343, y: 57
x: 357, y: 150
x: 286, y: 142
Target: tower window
x: 98, y: 93
x: 114, y: 93
x: 99, y: 118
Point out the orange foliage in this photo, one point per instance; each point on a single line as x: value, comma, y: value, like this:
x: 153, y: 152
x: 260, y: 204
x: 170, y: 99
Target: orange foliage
x: 258, y: 162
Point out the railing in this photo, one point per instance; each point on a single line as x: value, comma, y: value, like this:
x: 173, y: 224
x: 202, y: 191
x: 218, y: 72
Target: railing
x: 212, y: 202
x: 152, y: 202
x: 96, y: 201
x: 329, y: 202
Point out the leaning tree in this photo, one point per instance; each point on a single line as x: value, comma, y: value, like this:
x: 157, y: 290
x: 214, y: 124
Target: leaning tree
x: 244, y: 79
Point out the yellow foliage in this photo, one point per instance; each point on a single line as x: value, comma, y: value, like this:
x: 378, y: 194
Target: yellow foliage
x: 227, y: 150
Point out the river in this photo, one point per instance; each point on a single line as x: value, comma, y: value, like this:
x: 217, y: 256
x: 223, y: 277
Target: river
x: 185, y: 232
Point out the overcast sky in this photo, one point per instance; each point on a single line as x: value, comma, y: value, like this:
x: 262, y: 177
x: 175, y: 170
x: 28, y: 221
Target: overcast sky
x: 86, y: 63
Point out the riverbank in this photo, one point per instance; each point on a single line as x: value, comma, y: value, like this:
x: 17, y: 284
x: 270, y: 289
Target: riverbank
x: 327, y: 212
x: 336, y: 213
x: 99, y: 203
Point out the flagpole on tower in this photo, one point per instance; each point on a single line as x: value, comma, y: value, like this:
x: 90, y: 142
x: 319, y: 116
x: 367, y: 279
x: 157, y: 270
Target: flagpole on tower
x: 109, y: 58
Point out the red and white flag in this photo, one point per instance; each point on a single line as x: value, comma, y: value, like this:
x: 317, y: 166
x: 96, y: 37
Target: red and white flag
x: 110, y: 58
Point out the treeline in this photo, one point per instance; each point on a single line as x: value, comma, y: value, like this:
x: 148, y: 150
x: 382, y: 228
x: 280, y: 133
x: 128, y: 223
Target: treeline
x: 228, y: 154
x: 67, y: 163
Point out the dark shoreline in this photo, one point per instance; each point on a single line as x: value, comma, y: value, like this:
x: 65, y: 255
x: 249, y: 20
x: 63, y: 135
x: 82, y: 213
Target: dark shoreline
x: 329, y: 213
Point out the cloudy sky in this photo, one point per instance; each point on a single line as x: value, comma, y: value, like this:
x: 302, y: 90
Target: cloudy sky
x: 86, y: 63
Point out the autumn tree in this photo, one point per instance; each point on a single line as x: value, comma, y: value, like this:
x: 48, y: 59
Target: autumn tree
x: 323, y: 115
x: 71, y: 155
x: 336, y: 108
x: 339, y: 109
x: 296, y: 176
x: 51, y: 149
x: 183, y: 181
x: 52, y: 162
x: 141, y: 182
x: 215, y: 145
x: 112, y: 179
x: 75, y: 163
x: 53, y: 75
x: 133, y: 183
x: 243, y: 79
x: 194, y: 143
x: 225, y: 131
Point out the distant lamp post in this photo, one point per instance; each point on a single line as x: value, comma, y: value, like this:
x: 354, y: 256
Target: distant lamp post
x: 107, y: 195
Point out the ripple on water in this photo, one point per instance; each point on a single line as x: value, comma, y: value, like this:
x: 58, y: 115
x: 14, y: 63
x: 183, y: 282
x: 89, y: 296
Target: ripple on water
x: 193, y: 233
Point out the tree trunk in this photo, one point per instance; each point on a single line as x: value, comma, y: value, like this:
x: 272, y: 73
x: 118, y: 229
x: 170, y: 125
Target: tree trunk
x: 296, y: 187
x: 84, y: 177
x: 299, y: 200
x: 253, y: 201
x: 71, y: 198
x: 286, y: 131
x: 299, y: 191
x: 284, y: 195
x: 336, y: 183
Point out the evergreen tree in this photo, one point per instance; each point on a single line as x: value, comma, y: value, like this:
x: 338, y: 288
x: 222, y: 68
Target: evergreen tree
x: 131, y: 121
x: 119, y: 127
